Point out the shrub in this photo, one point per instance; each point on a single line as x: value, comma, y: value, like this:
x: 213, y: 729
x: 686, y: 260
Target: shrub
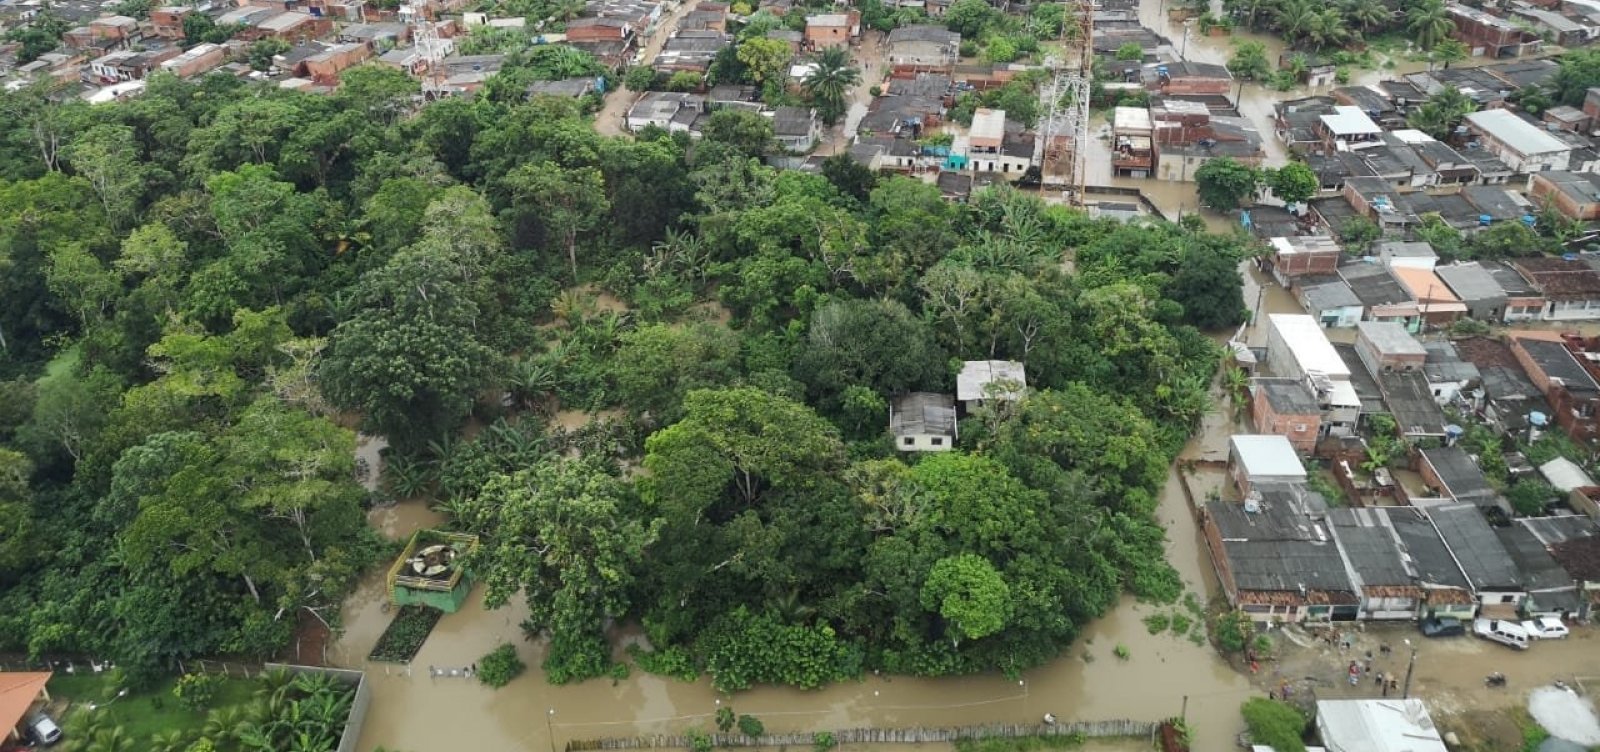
x: 699, y: 741
x: 195, y: 691
x: 670, y: 661
x: 1121, y: 651
x: 500, y: 666
x: 1262, y: 645
x: 1157, y: 623
x: 1181, y: 623
x: 822, y: 741
x: 725, y: 719
x: 750, y: 725
x: 1276, y: 724
x: 1231, y: 628
x: 875, y: 90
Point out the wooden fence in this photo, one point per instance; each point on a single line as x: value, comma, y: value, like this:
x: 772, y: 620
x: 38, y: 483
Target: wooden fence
x: 917, y: 735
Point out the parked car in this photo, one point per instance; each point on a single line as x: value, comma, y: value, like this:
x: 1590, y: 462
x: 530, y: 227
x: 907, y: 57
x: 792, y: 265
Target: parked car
x: 1506, y: 633
x: 1442, y: 626
x: 1545, y: 628
x: 44, y: 730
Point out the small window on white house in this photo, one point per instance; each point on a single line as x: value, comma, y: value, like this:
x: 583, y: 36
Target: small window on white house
x: 908, y: 441
x: 938, y: 441
x: 1508, y: 599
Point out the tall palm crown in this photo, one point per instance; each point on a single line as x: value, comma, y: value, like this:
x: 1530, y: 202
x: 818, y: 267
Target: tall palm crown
x: 828, y: 82
x: 1429, y: 23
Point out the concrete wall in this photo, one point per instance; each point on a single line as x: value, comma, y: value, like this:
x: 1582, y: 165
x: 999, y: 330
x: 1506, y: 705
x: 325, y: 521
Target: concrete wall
x: 358, y: 709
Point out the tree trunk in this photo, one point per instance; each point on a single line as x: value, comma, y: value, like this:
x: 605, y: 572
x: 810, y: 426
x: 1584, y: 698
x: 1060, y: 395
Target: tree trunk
x: 572, y: 253
x: 254, y: 593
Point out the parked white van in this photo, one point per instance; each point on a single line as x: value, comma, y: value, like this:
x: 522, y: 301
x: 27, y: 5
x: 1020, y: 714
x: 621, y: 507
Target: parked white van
x: 1503, y: 632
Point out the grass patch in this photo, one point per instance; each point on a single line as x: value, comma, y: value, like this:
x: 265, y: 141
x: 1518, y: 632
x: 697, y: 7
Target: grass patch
x: 1157, y: 623
x: 405, y: 635
x: 1181, y: 623
x: 142, y: 714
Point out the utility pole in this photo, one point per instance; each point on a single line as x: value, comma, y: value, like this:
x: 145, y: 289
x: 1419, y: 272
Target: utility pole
x: 549, y: 729
x: 1406, y: 692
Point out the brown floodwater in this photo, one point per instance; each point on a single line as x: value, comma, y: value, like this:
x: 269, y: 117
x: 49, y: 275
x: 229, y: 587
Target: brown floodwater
x: 417, y: 712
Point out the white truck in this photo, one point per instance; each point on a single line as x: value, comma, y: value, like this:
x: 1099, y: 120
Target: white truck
x: 1506, y: 633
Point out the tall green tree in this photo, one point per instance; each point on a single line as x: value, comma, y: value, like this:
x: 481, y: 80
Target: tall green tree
x: 1225, y: 184
x: 1293, y: 183
x: 969, y: 594
x: 570, y: 538
x: 567, y: 202
x: 410, y: 356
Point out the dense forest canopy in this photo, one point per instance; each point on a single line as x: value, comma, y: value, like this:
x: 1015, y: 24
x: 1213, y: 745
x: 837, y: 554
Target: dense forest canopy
x: 208, y: 287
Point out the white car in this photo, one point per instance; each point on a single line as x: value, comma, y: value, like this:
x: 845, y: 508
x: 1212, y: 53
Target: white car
x: 1545, y: 628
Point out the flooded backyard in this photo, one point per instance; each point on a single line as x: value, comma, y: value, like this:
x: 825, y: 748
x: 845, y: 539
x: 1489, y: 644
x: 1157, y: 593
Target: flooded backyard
x: 414, y: 711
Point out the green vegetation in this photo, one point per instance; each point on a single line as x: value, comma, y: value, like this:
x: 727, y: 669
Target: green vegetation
x: 500, y: 666
x: 1224, y: 184
x: 1275, y: 724
x: 275, y: 711
x: 142, y: 713
x: 1157, y: 623
x: 750, y: 725
x: 1313, y: 26
x: 405, y: 634
x: 232, y: 266
x: 1121, y: 652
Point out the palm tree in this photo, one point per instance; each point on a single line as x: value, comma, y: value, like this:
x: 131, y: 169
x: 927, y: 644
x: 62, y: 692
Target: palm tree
x: 1429, y: 23
x: 828, y: 82
x: 1328, y: 28
x: 1296, y: 18
x: 169, y: 741
x: 530, y: 380
x: 1366, y: 14
x: 1443, y: 111
x: 114, y: 739
x: 224, y: 725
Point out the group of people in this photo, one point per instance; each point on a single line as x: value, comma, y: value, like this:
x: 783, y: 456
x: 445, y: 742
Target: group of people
x: 1385, y: 683
x: 435, y: 672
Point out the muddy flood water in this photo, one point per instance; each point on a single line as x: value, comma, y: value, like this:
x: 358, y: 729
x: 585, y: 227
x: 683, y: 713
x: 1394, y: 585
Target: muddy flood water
x: 415, y: 712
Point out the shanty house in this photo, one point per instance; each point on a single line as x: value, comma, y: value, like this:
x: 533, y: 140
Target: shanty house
x: 923, y: 422
x: 1571, y: 288
x: 1275, y: 559
x: 1286, y: 407
x: 1263, y: 458
x: 1520, y: 144
x: 1571, y: 391
x: 1452, y: 472
x: 1494, y: 579
x: 982, y: 380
